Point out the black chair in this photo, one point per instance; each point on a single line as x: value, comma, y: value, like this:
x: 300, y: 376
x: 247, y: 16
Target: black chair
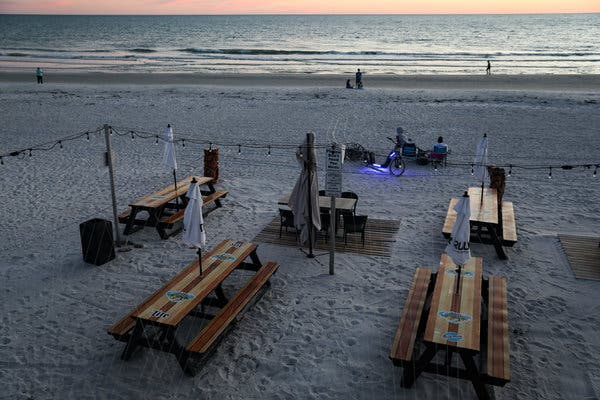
x: 321, y: 193
x: 355, y: 224
x: 350, y: 195
x: 286, y: 218
x: 325, y: 224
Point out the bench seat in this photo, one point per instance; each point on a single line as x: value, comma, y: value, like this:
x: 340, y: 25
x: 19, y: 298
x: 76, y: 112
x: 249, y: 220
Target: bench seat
x: 496, y: 359
x: 406, y: 334
x: 124, y: 216
x: 203, y: 342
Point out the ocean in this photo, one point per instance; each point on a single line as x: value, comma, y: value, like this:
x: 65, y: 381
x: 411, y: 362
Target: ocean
x: 307, y: 44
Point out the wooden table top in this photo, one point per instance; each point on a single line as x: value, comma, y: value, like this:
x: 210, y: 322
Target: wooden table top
x: 173, y: 302
x: 455, y: 318
x: 325, y: 202
x: 167, y: 194
x: 485, y: 211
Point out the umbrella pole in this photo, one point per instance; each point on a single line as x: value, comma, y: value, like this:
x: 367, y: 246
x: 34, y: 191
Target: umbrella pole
x: 458, y: 279
x: 310, y: 222
x: 200, y: 260
x: 175, y: 180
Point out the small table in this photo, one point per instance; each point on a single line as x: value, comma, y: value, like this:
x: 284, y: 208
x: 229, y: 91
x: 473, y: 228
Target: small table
x: 156, y: 203
x: 341, y: 203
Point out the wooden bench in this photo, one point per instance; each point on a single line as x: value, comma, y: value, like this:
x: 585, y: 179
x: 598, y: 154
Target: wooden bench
x: 168, y: 221
x: 496, y: 359
x: 205, y: 342
x: 410, y: 321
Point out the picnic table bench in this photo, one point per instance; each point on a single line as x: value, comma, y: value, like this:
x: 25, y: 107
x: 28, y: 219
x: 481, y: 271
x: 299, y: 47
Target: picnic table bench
x: 154, y: 322
x: 490, y: 224
x: 471, y: 322
x: 162, y: 212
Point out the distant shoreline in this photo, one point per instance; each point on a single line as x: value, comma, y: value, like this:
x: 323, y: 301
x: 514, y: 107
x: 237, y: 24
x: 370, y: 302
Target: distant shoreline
x: 583, y: 83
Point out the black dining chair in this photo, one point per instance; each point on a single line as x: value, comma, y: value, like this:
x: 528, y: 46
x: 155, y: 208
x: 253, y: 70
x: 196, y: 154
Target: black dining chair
x: 349, y: 195
x: 325, y: 225
x: 355, y: 224
x: 286, y: 218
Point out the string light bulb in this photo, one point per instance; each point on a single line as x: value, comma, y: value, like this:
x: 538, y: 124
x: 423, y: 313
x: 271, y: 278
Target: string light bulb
x: 269, y: 152
x: 595, y: 171
x: 60, y: 144
x: 156, y: 142
x: 132, y: 135
x: 210, y: 145
x: 87, y: 136
x: 29, y: 152
x: 1, y: 161
x: 239, y: 149
x: 550, y: 173
x: 472, y: 170
x: 183, y: 143
x: 510, y: 170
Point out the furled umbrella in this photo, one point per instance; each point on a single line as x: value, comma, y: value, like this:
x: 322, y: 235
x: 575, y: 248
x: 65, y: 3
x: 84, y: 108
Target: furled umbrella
x: 169, y: 159
x: 193, y: 222
x: 480, y: 162
x: 304, y: 200
x: 458, y: 245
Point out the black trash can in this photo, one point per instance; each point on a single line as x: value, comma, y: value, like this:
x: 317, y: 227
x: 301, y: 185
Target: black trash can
x: 97, y: 241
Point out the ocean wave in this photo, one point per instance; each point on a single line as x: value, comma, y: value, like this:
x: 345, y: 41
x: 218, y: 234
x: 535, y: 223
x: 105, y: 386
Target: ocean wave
x: 142, y: 50
x: 59, y: 50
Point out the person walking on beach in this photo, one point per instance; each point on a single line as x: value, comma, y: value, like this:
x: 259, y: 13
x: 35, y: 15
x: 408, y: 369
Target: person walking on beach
x: 488, y: 70
x: 358, y: 79
x: 40, y: 75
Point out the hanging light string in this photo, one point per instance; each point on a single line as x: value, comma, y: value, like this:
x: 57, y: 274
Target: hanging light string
x: 269, y: 148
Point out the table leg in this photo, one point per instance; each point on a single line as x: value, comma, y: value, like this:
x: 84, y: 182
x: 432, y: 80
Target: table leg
x: 255, y: 259
x: 496, y: 242
x: 211, y: 190
x: 131, y: 221
x: 474, y: 376
x: 412, y: 372
x: 223, y: 300
x: 132, y: 343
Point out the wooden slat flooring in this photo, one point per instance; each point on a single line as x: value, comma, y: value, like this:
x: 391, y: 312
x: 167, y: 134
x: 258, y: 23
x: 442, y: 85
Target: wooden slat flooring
x: 379, y: 237
x: 583, y: 254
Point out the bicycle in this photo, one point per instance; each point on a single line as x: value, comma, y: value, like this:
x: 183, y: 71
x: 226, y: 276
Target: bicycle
x: 394, y: 162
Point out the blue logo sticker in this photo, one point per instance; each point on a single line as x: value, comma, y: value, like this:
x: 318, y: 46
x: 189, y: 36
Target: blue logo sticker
x: 176, y: 297
x: 223, y: 257
x: 454, y: 317
x: 466, y: 274
x: 452, y: 337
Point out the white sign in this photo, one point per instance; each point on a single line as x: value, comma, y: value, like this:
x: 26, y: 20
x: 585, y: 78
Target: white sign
x: 333, y: 176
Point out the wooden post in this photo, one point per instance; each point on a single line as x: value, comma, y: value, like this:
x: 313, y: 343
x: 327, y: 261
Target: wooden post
x: 211, y: 163
x: 332, y: 223
x: 111, y: 174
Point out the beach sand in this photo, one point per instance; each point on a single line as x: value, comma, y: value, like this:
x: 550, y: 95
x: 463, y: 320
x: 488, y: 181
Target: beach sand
x: 312, y: 336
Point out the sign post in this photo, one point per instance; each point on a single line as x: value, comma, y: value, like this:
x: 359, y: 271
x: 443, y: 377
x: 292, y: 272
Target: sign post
x: 333, y: 189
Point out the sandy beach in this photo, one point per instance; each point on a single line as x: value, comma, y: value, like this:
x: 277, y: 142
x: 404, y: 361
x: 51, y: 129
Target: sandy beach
x: 312, y: 336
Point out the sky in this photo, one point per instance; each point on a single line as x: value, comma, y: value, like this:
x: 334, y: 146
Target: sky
x: 297, y: 6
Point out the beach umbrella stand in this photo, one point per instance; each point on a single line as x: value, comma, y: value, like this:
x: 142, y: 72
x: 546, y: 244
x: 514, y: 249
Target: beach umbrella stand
x: 458, y: 244
x: 480, y: 162
x: 169, y: 159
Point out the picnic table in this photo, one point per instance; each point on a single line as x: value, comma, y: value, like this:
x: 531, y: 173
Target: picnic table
x: 470, y: 320
x: 490, y: 224
x: 166, y: 206
x: 155, y: 322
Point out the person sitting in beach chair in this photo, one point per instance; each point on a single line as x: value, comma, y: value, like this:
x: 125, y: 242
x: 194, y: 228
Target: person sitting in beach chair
x: 439, y: 152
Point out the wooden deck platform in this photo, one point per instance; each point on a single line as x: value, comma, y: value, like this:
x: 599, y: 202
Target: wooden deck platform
x: 583, y: 253
x: 379, y: 237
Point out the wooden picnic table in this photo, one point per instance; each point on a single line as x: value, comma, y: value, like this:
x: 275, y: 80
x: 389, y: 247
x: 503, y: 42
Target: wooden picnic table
x: 490, y: 224
x: 154, y: 322
x: 163, y: 213
x: 470, y: 320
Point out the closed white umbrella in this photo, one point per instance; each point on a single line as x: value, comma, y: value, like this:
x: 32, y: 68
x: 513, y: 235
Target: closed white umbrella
x: 458, y: 248
x: 169, y: 160
x: 193, y: 222
x: 480, y: 162
x: 304, y: 200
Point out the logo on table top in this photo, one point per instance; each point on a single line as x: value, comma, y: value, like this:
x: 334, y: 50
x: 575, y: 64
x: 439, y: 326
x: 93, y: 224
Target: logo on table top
x: 176, y: 297
x: 223, y: 257
x: 160, y: 314
x: 466, y: 274
x: 452, y: 337
x: 454, y: 317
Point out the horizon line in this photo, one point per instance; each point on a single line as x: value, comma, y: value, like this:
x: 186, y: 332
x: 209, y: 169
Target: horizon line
x: 288, y: 14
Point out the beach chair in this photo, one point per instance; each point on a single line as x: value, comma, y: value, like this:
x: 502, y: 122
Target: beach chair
x: 438, y: 156
x: 409, y: 150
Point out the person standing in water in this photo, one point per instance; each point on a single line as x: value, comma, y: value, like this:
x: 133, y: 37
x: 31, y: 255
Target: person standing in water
x: 40, y: 75
x: 488, y: 70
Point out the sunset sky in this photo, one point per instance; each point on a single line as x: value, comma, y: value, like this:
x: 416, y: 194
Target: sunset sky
x: 295, y: 6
